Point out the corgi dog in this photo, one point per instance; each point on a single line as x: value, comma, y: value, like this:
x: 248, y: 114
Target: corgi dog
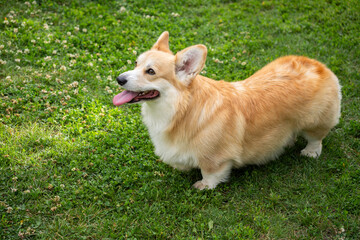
x: 197, y: 122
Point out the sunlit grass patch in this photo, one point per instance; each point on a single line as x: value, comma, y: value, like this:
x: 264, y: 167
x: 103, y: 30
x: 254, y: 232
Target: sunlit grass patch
x: 32, y: 145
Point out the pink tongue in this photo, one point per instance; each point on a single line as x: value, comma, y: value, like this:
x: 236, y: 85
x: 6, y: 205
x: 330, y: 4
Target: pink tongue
x: 124, y: 97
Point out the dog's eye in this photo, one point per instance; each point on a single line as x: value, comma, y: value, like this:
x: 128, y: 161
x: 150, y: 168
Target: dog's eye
x: 150, y: 71
x: 135, y: 63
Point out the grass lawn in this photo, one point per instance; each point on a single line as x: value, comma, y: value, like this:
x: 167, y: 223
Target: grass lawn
x: 73, y: 166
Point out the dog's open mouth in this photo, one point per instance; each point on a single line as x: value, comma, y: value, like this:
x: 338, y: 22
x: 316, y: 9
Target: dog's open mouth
x: 133, y: 97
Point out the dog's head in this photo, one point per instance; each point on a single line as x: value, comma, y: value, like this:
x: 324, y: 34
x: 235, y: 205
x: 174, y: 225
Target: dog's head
x: 158, y: 70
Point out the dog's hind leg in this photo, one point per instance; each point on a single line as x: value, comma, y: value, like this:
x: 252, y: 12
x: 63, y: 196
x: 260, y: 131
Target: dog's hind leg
x: 314, y: 145
x: 212, y: 177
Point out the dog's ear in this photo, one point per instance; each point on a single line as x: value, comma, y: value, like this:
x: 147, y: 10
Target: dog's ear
x: 162, y: 44
x: 189, y: 62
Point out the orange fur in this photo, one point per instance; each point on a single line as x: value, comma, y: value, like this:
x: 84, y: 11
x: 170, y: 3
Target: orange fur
x: 214, y: 125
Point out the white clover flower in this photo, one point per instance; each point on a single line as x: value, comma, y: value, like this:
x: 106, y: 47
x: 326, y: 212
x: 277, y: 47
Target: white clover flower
x: 46, y: 27
x: 9, y: 209
x: 84, y: 30
x: 74, y: 84
x: 17, y: 60
x: 63, y: 68
x: 98, y: 77
x: 16, y: 30
x: 28, y: 4
x: 109, y: 78
x: 77, y: 29
x: 218, y: 61
x: 2, y: 47
x: 129, y: 62
x: 34, y: 2
x: 100, y: 60
x: 175, y: 14
x: 54, y: 52
x: 6, y: 22
x: 122, y: 9
x: 68, y: 33
x: 47, y: 76
x: 26, y: 50
x: 57, y: 41
x: 243, y: 63
x: 47, y: 58
x: 85, y: 90
x: 33, y: 41
x: 2, y: 62
x: 90, y: 64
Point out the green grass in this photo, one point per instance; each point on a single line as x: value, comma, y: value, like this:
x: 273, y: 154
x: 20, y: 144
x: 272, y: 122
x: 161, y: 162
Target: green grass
x: 73, y: 166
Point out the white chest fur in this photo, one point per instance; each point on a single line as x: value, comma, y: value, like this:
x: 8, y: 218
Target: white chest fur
x: 157, y: 117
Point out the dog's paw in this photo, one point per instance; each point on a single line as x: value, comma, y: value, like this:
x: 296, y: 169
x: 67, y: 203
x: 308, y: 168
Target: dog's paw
x: 201, y: 185
x: 312, y: 149
x: 310, y: 153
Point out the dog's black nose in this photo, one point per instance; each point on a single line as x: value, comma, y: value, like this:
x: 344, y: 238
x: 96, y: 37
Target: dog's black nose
x: 121, y: 80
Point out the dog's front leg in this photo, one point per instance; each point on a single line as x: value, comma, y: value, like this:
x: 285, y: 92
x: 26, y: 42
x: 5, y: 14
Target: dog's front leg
x: 213, y: 176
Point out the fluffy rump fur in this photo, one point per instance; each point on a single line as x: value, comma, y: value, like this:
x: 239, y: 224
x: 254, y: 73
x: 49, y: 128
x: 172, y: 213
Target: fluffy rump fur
x: 216, y: 125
